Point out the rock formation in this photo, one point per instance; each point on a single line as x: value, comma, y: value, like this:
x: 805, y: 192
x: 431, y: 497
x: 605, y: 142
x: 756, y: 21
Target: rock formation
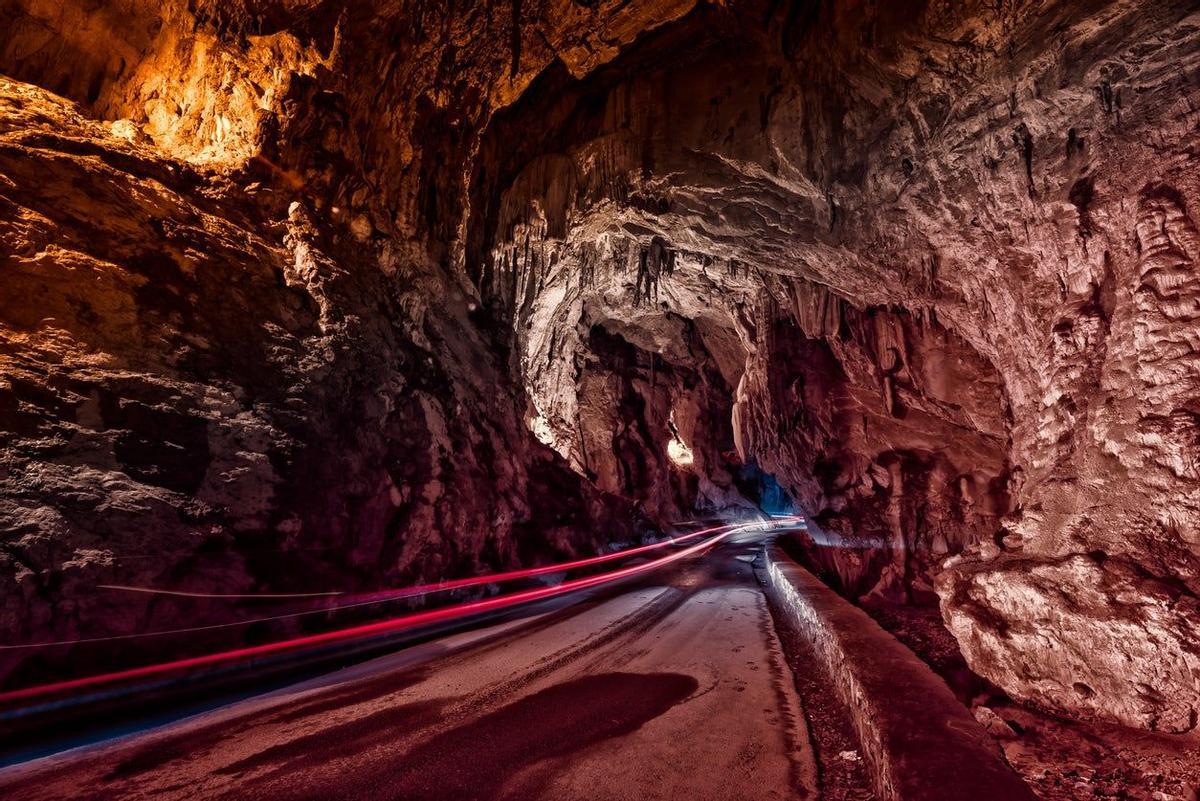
x: 312, y: 278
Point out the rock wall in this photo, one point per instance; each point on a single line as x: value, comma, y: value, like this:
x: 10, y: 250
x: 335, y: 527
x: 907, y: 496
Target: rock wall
x: 235, y: 357
x: 889, y: 427
x: 955, y: 243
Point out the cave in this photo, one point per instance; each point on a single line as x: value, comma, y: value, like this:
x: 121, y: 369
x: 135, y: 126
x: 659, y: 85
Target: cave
x: 304, y: 294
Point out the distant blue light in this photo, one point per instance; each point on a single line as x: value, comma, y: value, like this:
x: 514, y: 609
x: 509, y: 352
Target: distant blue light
x: 773, y: 499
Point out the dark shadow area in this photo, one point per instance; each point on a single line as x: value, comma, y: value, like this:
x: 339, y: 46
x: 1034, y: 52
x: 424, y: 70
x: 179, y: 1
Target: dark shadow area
x: 763, y: 489
x: 477, y: 760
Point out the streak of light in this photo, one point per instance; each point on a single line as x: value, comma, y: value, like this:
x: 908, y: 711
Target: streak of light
x: 438, y: 586
x: 189, y: 629
x: 370, y: 599
x: 183, y: 594
x: 365, y: 630
x: 512, y: 575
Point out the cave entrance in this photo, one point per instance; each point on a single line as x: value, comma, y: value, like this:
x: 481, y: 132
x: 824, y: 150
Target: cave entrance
x: 764, y: 490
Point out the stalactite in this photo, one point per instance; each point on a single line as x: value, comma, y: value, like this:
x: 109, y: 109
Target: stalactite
x: 516, y: 38
x: 930, y: 271
x: 1023, y: 138
x: 620, y: 256
x: 583, y: 451
x: 645, y: 279
x: 654, y: 260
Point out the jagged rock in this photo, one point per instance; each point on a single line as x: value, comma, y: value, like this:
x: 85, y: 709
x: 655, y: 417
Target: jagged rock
x: 196, y: 396
x: 993, y: 723
x: 959, y: 267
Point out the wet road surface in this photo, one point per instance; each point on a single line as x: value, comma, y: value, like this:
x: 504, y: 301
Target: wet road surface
x: 673, y: 687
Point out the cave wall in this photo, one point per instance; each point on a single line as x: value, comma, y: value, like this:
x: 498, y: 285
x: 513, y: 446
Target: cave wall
x: 202, y: 80
x: 236, y: 355
x: 197, y: 398
x: 888, y: 427
x: 991, y: 206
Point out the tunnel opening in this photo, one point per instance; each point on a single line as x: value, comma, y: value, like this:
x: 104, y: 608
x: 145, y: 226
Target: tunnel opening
x: 764, y: 490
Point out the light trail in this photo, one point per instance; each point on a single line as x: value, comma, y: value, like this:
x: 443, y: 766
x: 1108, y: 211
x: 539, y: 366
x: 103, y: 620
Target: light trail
x: 369, y: 599
x: 370, y: 629
x: 512, y: 575
x: 229, y: 595
x: 425, y: 589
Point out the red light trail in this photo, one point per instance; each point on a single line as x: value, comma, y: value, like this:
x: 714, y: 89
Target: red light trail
x: 349, y: 601
x: 513, y: 575
x: 270, y: 596
x: 425, y: 589
x: 406, y: 621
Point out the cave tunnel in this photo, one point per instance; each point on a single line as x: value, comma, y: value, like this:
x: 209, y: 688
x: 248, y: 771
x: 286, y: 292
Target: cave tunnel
x: 318, y: 316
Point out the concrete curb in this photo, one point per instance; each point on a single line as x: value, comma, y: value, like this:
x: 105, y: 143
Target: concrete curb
x: 920, y: 743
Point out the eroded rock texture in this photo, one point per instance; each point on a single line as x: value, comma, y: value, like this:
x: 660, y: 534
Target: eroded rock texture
x: 312, y: 276
x: 955, y: 247
x: 232, y: 360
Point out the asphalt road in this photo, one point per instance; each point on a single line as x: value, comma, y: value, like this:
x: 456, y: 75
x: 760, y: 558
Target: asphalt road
x: 673, y: 687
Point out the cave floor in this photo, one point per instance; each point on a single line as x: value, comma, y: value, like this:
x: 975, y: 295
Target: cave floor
x: 672, y: 687
x: 1062, y: 760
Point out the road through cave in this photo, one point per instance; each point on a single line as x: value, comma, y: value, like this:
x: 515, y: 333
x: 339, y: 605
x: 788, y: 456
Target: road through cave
x: 428, y: 336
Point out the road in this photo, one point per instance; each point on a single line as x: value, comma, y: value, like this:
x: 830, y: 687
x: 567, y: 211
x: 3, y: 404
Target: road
x: 670, y: 687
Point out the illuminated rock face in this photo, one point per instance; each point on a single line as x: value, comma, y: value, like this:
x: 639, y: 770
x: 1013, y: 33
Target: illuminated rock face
x: 956, y: 250
x: 930, y: 266
x: 225, y: 381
